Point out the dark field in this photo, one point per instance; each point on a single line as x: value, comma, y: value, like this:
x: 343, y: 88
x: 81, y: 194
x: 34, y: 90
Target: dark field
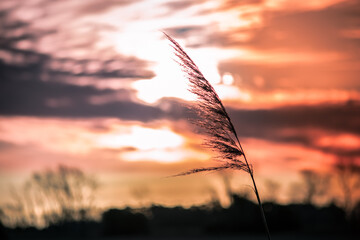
x: 241, y: 220
x: 226, y: 237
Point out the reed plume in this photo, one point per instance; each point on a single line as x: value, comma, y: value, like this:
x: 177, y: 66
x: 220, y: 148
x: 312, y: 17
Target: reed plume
x: 221, y: 136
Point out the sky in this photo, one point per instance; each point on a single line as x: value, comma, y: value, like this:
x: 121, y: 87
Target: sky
x: 94, y: 85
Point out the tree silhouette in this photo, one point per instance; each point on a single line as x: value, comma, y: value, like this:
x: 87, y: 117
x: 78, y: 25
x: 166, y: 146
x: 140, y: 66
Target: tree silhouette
x: 348, y: 175
x: 51, y: 196
x: 315, y: 185
x: 272, y: 190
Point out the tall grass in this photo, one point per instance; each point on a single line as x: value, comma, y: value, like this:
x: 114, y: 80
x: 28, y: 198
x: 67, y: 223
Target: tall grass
x: 221, y: 136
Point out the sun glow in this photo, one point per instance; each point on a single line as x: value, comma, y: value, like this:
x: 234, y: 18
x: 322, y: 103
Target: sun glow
x: 341, y: 141
x: 170, y: 80
x: 141, y: 138
x: 165, y: 155
x: 148, y: 144
x: 228, y: 79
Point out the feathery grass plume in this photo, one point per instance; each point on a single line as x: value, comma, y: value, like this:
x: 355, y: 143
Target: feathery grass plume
x: 221, y: 136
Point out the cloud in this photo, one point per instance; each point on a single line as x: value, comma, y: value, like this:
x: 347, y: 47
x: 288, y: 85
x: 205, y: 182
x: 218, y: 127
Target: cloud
x: 30, y: 87
x: 75, y: 9
x: 184, y: 31
x: 339, y: 117
x: 303, y: 125
x: 286, y: 48
x: 37, y: 98
x: 231, y: 4
x: 75, y: 49
x: 41, y: 84
x: 175, y: 6
x: 96, y: 7
x: 328, y: 29
x: 64, y: 83
x: 295, y: 49
x: 312, y: 126
x: 6, y: 145
x: 120, y: 67
x: 24, y: 90
x: 318, y: 29
x: 292, y: 76
x: 291, y: 124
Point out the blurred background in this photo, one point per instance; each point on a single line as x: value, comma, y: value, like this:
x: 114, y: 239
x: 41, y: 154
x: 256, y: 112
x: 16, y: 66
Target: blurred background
x: 93, y: 107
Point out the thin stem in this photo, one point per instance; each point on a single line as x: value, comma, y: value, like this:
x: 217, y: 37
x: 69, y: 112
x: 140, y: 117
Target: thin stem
x: 260, y: 206
x: 258, y: 198
x: 255, y: 189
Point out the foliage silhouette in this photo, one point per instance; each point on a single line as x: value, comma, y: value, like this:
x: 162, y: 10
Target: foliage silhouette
x: 295, y: 221
x: 315, y: 185
x: 348, y: 173
x: 123, y: 222
x: 50, y: 197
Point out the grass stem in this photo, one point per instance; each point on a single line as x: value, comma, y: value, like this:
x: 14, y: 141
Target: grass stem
x: 261, y: 207
x: 214, y: 119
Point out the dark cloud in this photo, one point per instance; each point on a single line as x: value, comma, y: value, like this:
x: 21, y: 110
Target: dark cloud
x: 339, y: 152
x: 175, y: 108
x: 303, y: 125
x: 97, y: 7
x: 38, y: 84
x: 300, y: 124
x: 106, y: 63
x: 75, y: 9
x: 120, y: 67
x: 23, y: 93
x: 6, y: 145
x: 180, y: 5
x: 292, y: 75
x: 340, y: 117
x: 284, y: 124
x: 184, y: 31
x: 14, y: 30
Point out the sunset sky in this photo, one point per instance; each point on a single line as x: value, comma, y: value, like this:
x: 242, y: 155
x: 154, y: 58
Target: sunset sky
x: 94, y: 85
